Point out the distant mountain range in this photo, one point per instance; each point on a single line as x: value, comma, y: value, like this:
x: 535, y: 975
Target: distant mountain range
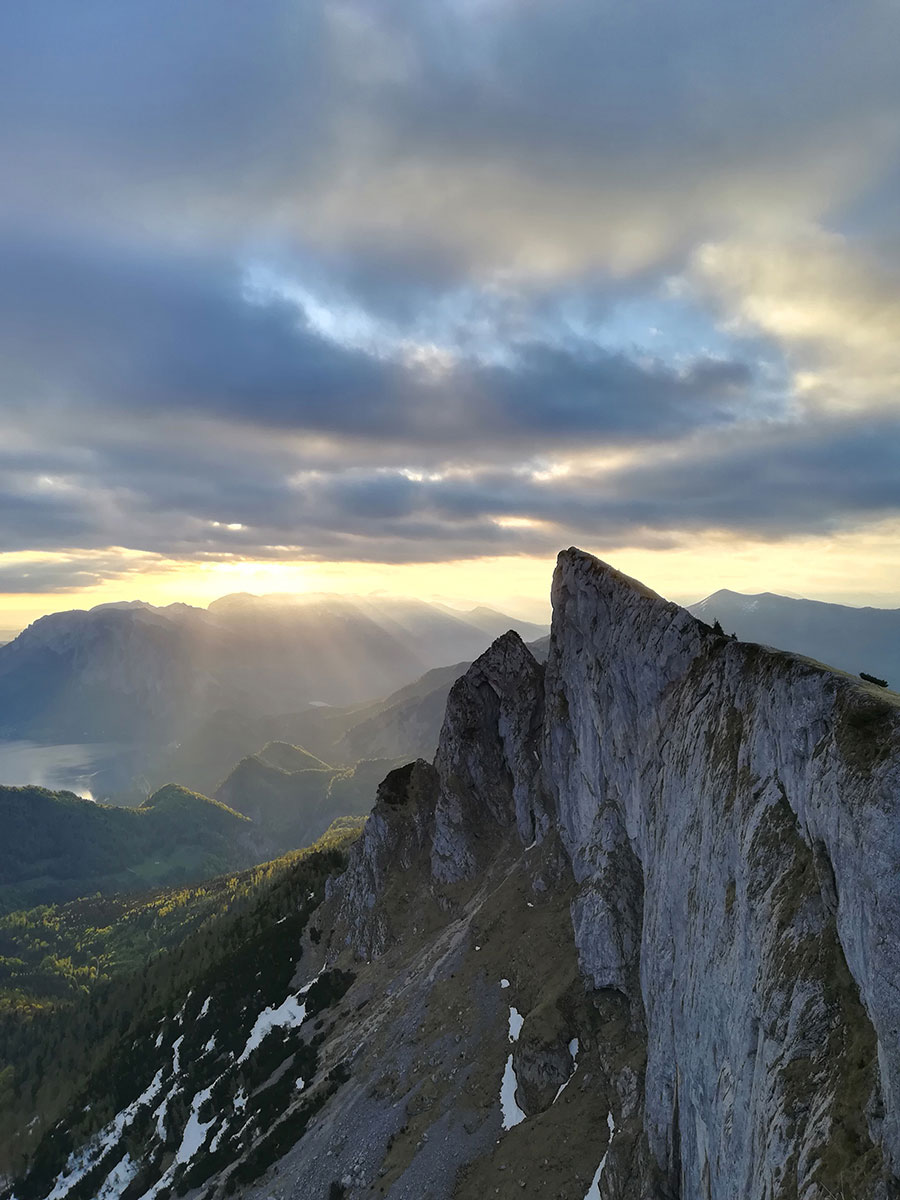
x: 852, y: 639
x: 270, y: 795
x: 133, y: 672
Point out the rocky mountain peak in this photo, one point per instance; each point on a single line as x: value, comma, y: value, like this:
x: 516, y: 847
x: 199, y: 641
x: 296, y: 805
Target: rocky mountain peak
x: 729, y: 814
x: 632, y: 934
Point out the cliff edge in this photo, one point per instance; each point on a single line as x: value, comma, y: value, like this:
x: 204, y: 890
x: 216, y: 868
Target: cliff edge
x: 730, y: 816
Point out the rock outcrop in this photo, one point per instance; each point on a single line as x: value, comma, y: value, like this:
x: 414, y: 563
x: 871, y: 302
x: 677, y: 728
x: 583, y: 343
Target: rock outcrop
x: 731, y: 817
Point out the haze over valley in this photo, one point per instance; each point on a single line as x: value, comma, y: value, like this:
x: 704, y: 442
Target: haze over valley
x: 130, y: 682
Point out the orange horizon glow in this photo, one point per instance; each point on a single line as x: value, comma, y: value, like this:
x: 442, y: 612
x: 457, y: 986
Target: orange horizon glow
x: 856, y: 568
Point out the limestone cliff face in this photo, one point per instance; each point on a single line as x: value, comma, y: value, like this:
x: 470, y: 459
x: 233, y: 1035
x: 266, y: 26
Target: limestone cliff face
x: 731, y: 817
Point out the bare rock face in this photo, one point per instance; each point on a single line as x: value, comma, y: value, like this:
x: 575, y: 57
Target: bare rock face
x: 399, y: 828
x: 731, y: 816
x: 488, y: 757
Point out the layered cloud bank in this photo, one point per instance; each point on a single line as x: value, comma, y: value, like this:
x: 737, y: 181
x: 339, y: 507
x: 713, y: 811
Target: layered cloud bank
x: 420, y: 283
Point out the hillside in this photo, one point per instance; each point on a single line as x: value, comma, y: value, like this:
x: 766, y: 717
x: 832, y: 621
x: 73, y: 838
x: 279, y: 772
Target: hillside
x: 56, y: 846
x: 293, y: 807
x: 631, y: 936
x: 854, y: 639
x: 79, y: 983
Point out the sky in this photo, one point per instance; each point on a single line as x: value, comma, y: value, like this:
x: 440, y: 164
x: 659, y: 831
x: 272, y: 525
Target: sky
x: 339, y: 295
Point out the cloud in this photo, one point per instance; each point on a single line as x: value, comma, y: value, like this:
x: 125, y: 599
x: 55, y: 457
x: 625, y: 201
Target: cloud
x: 409, y: 282
x: 831, y: 301
x: 24, y: 574
x: 773, y: 482
x: 142, y: 337
x: 531, y: 136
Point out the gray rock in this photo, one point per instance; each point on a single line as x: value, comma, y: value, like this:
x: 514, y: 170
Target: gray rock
x: 732, y: 818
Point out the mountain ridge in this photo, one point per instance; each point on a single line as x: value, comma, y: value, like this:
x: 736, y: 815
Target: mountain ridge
x: 731, y: 593
x: 632, y: 934
x: 798, y: 873
x: 852, y: 639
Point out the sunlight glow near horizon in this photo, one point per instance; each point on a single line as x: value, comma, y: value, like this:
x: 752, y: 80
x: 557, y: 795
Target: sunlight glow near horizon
x: 856, y: 568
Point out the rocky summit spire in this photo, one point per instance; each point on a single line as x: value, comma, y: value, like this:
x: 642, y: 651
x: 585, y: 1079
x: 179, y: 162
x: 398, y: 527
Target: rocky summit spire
x: 731, y: 816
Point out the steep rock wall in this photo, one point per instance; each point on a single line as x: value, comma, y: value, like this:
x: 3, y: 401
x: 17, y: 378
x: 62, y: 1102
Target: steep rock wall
x: 732, y: 817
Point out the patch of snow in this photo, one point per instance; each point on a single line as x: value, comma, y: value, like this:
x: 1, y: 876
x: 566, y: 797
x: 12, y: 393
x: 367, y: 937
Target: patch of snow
x: 195, y: 1130
x: 516, y: 1021
x: 300, y: 1085
x: 573, y: 1054
x: 593, y: 1192
x: 159, y: 1039
x: 205, y: 1009
x: 240, y: 1100
x: 504, y: 983
x: 512, y: 1114
x: 291, y: 1012
x: 160, y: 1111
x: 192, y: 1140
x: 477, y: 947
x: 84, y: 1160
x: 530, y: 905
x: 532, y: 846
x: 160, y: 1114
x: 210, y: 1045
x: 118, y: 1179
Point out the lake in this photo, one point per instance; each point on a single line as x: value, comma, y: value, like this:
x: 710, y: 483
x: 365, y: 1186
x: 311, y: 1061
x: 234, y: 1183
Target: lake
x: 93, y: 770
